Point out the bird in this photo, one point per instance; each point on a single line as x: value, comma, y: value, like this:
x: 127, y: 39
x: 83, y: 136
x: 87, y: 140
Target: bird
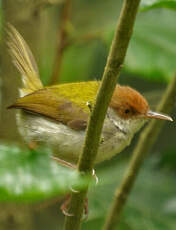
x: 57, y: 116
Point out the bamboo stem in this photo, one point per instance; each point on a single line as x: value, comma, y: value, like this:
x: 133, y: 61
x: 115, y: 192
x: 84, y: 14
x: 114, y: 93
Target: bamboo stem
x: 112, y: 70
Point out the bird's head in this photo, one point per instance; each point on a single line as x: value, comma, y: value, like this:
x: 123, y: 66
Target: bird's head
x: 132, y: 108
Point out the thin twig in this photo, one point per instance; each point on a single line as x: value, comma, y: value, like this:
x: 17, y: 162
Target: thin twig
x: 114, y: 63
x: 62, y: 40
x: 146, y: 141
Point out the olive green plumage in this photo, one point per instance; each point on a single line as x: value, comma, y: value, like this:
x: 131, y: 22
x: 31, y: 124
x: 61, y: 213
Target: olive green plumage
x: 79, y: 93
x: 67, y: 107
x: 65, y: 103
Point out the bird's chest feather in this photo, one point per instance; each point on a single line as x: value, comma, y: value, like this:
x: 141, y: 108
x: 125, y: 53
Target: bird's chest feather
x: 67, y: 143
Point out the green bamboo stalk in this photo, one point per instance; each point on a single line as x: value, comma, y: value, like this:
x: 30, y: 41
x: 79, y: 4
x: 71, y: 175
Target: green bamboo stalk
x: 112, y: 70
x: 146, y: 141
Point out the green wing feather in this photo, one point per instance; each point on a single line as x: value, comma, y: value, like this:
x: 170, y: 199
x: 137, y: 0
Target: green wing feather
x: 64, y: 103
x: 79, y: 93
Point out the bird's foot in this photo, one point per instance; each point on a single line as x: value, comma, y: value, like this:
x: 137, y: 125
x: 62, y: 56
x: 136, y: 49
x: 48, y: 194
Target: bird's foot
x: 65, y: 205
x: 64, y: 208
x: 89, y: 104
x: 95, y: 176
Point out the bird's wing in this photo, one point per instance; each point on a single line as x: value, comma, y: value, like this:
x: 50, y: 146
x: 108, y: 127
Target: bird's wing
x: 80, y: 93
x: 46, y: 102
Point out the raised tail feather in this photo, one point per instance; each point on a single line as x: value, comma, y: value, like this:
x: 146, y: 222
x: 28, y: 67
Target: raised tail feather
x: 24, y: 61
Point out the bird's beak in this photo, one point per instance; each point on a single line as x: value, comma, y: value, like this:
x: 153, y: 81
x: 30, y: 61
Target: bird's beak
x: 155, y: 115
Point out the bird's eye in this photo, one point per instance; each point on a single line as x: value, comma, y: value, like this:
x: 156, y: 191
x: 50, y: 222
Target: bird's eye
x: 127, y: 111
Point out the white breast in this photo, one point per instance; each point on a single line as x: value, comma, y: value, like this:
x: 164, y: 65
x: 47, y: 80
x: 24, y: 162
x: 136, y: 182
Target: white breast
x: 67, y: 143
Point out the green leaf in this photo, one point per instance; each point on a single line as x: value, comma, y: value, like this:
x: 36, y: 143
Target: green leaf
x: 31, y: 176
x: 151, y: 4
x: 152, y: 50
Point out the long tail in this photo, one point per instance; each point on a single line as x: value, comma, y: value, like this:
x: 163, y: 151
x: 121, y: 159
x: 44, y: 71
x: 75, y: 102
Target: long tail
x: 24, y: 61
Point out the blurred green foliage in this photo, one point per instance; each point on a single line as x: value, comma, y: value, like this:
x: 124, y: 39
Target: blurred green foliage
x: 151, y: 54
x: 28, y: 175
x: 150, y: 4
x: 167, y: 160
x: 152, y: 50
x: 151, y: 205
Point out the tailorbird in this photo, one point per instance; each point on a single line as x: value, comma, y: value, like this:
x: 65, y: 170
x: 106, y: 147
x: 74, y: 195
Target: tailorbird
x: 57, y: 115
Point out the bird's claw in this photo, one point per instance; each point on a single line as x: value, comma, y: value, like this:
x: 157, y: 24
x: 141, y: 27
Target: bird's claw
x: 66, y: 213
x: 74, y: 190
x: 64, y: 207
x: 95, y: 176
x: 89, y: 104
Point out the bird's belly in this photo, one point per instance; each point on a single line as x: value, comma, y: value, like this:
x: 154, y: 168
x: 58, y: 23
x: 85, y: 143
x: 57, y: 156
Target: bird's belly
x: 67, y: 143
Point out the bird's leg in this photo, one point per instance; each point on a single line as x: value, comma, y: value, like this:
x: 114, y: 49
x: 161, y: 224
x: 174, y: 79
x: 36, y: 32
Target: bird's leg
x: 64, y: 206
x: 32, y: 145
x: 64, y: 163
